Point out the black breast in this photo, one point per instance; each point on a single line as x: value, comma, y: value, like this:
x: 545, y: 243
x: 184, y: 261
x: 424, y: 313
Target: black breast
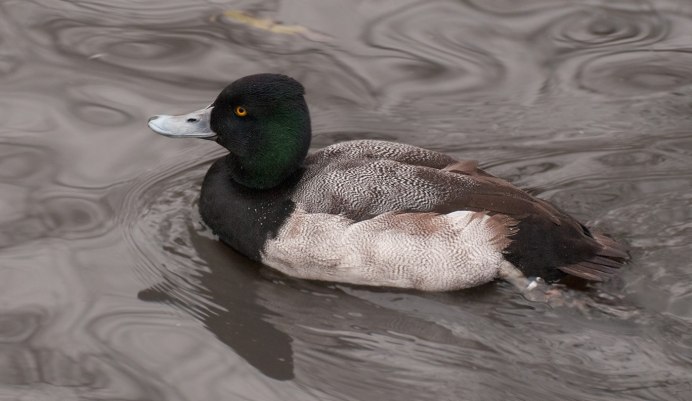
x: 242, y: 217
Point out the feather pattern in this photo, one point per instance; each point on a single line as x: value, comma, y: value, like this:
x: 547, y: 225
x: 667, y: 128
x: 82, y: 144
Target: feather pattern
x: 364, y: 204
x: 426, y: 251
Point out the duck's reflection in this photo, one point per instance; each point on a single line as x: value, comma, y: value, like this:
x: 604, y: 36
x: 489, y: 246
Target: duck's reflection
x: 235, y: 317
x: 260, y: 319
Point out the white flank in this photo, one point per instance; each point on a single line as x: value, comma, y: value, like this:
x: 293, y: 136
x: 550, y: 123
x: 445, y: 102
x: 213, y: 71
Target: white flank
x: 427, y: 251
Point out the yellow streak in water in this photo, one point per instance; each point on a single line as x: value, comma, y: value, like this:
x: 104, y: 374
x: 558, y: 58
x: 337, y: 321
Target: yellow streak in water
x: 264, y: 23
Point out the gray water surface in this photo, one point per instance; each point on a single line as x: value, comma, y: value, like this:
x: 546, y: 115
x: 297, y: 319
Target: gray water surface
x: 112, y: 289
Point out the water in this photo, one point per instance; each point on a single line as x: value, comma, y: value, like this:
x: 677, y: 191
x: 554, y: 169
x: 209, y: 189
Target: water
x: 112, y: 289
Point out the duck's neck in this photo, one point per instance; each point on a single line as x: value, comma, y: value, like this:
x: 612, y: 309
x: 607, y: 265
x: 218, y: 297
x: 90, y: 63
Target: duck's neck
x: 278, y: 152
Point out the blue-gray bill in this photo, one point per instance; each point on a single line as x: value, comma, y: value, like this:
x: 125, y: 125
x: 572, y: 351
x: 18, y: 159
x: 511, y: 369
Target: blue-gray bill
x: 190, y: 125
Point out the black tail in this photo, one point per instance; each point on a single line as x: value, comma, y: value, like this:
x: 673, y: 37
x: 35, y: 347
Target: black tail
x: 604, y: 264
x: 542, y: 248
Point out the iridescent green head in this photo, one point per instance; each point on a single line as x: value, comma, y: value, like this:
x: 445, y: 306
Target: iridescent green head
x: 261, y: 119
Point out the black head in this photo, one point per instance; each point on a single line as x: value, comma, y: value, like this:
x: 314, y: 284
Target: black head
x: 264, y: 122
x: 261, y: 119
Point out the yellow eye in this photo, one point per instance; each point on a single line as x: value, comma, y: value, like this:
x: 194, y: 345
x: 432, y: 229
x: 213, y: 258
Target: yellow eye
x: 240, y: 111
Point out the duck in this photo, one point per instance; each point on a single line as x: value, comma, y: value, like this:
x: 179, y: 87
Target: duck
x: 372, y: 212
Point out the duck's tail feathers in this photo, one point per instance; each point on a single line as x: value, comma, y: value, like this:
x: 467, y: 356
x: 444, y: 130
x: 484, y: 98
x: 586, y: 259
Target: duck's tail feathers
x: 602, y: 266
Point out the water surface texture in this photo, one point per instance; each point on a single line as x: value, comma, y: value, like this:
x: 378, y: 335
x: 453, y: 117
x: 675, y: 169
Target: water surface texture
x: 111, y: 288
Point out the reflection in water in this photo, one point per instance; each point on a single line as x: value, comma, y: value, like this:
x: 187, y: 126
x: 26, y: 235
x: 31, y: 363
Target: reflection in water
x: 237, y: 321
x: 112, y: 289
x: 223, y: 299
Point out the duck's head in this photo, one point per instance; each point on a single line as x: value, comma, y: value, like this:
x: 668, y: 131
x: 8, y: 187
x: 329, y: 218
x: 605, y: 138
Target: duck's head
x: 261, y: 119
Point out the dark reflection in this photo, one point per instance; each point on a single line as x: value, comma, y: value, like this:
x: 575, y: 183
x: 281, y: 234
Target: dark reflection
x: 234, y: 315
x: 199, y: 274
x: 262, y: 315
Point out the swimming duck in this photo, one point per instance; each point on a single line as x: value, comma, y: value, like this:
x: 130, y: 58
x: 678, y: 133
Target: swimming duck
x: 372, y: 212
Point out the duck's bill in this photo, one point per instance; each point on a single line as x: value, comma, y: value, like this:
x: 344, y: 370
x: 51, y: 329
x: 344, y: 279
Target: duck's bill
x: 191, y: 125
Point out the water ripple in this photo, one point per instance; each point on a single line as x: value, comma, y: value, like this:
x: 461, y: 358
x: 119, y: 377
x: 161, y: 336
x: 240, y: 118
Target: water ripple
x: 138, y: 50
x: 634, y: 73
x: 58, y: 216
x: 31, y: 119
x: 26, y: 164
x: 592, y: 27
x: 427, y: 41
x: 34, y: 206
x: 159, y: 210
x: 100, y: 115
x: 17, y: 326
x: 101, y: 11
x: 8, y: 65
x: 510, y: 7
x: 76, y: 216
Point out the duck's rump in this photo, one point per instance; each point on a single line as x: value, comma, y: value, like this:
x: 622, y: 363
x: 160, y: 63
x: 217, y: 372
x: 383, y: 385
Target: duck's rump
x: 544, y: 249
x: 363, y: 179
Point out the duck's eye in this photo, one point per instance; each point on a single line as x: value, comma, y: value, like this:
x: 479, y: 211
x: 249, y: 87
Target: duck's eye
x: 240, y: 111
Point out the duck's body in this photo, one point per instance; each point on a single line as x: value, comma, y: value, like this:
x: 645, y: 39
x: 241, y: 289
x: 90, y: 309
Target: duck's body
x: 382, y: 213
